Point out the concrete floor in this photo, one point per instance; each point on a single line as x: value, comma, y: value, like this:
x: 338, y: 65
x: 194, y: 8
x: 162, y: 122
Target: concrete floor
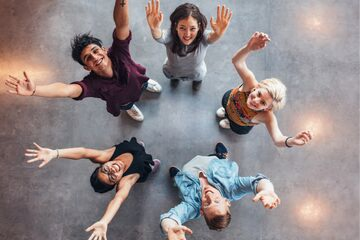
x: 314, y: 50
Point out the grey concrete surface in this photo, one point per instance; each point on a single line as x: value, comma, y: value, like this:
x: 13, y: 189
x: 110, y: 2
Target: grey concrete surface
x: 314, y: 50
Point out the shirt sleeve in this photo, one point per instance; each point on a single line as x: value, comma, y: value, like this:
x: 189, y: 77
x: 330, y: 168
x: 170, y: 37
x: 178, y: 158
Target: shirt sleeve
x: 165, y: 37
x: 206, y: 36
x: 246, y: 185
x: 88, y: 89
x: 121, y: 47
x: 181, y: 213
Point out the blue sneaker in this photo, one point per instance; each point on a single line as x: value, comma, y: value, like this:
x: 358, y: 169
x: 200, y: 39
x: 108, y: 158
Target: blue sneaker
x: 221, y: 151
x: 173, y: 171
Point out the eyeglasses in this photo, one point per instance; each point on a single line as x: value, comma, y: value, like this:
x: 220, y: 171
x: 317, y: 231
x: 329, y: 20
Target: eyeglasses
x: 106, y: 170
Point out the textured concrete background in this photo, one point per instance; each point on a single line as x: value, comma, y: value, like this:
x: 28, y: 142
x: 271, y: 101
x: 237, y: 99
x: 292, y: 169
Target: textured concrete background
x: 314, y: 50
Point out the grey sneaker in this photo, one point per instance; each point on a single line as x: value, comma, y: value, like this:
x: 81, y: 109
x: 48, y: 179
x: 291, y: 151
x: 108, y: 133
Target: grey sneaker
x: 153, y: 86
x: 141, y: 143
x: 156, y: 166
x: 135, y: 113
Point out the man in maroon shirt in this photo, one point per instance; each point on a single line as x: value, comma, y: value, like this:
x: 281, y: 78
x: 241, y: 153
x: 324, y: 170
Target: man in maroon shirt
x: 114, y: 76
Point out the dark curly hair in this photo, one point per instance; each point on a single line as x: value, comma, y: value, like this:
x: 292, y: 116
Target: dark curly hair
x: 97, y: 185
x: 79, y: 42
x: 183, y: 11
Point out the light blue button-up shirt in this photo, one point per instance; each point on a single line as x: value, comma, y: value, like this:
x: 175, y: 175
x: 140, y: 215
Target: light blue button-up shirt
x: 220, y: 173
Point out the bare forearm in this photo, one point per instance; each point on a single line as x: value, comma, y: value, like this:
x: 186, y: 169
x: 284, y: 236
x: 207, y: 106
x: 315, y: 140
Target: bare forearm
x: 264, y: 184
x: 240, y: 56
x: 168, y: 223
x: 73, y: 153
x: 58, y: 90
x: 121, y: 13
x: 156, y: 33
x: 112, y: 209
x: 273, y: 129
x: 213, y: 37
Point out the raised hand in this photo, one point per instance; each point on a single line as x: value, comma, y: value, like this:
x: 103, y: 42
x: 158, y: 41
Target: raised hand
x: 178, y: 232
x: 24, y: 87
x: 268, y: 198
x: 258, y: 41
x: 41, y: 154
x: 153, y: 14
x: 222, y: 21
x: 99, y: 231
x: 300, y: 139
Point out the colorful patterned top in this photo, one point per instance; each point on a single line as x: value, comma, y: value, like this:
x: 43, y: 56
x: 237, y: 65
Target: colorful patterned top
x: 237, y: 109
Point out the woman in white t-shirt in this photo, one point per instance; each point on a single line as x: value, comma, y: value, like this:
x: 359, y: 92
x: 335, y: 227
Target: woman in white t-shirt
x: 187, y: 39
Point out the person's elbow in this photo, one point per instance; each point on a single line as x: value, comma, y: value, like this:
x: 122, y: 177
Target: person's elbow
x: 72, y: 91
x: 278, y: 141
x: 237, y: 63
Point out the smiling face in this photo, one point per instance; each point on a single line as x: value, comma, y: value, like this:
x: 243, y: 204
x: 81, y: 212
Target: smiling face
x: 95, y: 59
x: 187, y: 30
x: 259, y: 99
x: 213, y: 203
x: 111, y: 172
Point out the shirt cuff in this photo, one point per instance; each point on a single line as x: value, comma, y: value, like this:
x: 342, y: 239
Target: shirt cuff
x: 256, y: 181
x: 84, y: 89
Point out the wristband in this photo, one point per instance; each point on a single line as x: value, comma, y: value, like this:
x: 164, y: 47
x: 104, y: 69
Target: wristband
x: 286, y: 144
x: 57, y: 153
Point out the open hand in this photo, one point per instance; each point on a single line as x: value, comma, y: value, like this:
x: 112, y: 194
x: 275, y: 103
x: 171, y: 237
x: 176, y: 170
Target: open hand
x: 222, y: 21
x: 258, y: 41
x: 300, y: 139
x: 153, y: 14
x: 41, y: 154
x: 24, y: 87
x: 268, y: 198
x: 99, y: 231
x: 178, y: 232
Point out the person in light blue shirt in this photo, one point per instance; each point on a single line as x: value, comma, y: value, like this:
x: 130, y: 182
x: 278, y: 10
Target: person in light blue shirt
x: 207, y: 185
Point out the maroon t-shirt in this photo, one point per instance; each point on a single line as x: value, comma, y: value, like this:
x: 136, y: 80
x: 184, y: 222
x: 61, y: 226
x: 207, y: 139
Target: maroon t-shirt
x: 126, y: 84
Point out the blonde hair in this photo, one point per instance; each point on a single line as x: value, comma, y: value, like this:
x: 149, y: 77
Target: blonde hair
x: 277, y: 91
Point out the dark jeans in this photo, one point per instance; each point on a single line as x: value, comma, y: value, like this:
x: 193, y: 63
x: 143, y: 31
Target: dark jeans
x: 130, y: 105
x: 242, y: 130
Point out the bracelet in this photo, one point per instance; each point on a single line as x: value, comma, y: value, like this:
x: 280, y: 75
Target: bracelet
x: 57, y: 153
x: 286, y: 144
x: 33, y: 92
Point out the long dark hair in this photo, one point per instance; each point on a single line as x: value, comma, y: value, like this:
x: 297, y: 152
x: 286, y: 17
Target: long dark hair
x: 181, y: 12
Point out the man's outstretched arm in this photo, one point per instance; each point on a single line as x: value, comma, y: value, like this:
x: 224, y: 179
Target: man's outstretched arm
x: 27, y: 87
x: 121, y: 18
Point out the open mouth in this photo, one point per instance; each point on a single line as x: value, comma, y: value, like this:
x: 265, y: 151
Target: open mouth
x: 116, y: 167
x: 98, y: 62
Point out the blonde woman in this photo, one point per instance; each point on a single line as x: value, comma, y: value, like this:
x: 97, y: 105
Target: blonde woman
x: 254, y: 102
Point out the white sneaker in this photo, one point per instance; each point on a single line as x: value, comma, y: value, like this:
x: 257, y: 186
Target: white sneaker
x: 135, y: 113
x: 225, y: 123
x: 220, y: 112
x: 153, y: 86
